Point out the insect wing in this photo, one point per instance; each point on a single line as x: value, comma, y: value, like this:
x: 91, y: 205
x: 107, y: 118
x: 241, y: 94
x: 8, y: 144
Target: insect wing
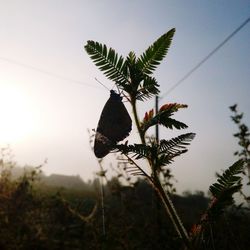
x: 102, y: 145
x: 114, y: 125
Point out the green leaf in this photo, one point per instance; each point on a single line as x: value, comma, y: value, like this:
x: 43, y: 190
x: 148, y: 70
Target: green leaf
x: 176, y: 145
x: 223, y: 190
x: 148, y: 88
x: 108, y: 61
x: 135, y: 75
x: 169, y: 149
x: 155, y: 53
x: 138, y: 150
x: 161, y: 154
x: 171, y: 123
x: 164, y: 160
x: 163, y: 118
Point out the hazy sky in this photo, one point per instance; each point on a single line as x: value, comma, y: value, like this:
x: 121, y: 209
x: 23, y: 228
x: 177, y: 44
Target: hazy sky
x: 43, y: 116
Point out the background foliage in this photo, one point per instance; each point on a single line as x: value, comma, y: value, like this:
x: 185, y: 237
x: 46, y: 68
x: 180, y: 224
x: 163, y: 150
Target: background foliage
x: 37, y: 215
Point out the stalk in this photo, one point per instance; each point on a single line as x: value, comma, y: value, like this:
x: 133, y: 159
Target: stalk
x: 168, y: 204
x: 170, y: 209
x: 137, y: 122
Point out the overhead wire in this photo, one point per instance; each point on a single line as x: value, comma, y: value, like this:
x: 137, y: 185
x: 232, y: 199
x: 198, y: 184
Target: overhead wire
x: 188, y: 74
x: 49, y: 73
x: 198, y: 65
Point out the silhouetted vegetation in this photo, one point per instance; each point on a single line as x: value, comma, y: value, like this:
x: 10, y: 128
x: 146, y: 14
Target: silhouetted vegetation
x: 134, y: 78
x: 34, y: 215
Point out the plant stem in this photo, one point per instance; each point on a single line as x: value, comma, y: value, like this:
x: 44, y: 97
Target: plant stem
x: 154, y: 180
x: 137, y: 122
x: 168, y: 204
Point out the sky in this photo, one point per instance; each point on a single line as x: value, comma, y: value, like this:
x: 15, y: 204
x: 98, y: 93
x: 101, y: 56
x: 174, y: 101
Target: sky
x: 49, y: 97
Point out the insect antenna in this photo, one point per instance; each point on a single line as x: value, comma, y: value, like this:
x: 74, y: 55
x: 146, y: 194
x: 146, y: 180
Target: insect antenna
x: 118, y: 90
x: 102, y: 84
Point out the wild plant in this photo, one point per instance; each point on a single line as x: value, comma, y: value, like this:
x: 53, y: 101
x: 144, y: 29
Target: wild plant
x: 133, y: 77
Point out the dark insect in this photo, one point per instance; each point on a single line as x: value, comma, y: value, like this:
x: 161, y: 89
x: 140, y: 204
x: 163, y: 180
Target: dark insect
x: 114, y: 125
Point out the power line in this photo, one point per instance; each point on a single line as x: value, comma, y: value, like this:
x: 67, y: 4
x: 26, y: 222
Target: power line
x: 206, y: 57
x: 64, y: 78
x: 166, y: 93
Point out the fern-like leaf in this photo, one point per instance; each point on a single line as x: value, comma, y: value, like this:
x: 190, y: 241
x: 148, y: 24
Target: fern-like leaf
x: 176, y: 145
x: 162, y: 154
x: 171, y: 123
x: 108, y: 61
x: 152, y: 57
x: 149, y: 88
x: 168, y: 158
x: 227, y: 184
x: 138, y: 150
x: 227, y: 180
x: 168, y: 150
x: 163, y: 118
x: 222, y: 191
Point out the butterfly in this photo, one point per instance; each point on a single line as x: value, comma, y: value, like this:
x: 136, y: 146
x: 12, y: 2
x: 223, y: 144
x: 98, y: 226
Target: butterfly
x: 114, y: 125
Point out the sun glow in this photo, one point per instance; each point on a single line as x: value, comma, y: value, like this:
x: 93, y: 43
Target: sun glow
x: 16, y: 114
